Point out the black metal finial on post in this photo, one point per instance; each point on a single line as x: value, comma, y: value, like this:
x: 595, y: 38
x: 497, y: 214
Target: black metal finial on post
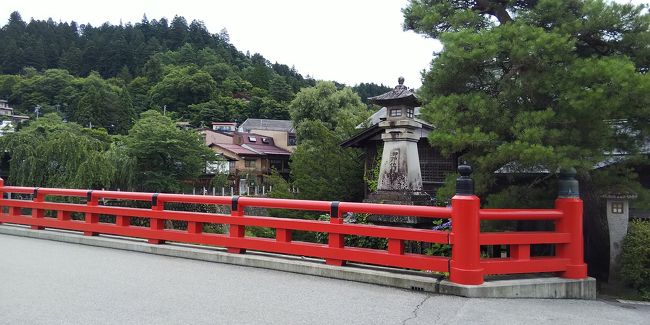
x: 568, y: 186
x: 464, y: 183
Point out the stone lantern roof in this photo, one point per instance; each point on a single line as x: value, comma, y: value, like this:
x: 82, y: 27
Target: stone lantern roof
x: 400, y: 95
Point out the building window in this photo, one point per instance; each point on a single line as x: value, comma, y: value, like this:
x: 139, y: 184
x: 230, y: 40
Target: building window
x: 395, y: 112
x: 409, y: 112
x: 617, y: 207
x: 252, y: 139
x: 249, y: 163
x: 291, y: 140
x: 223, y: 128
x: 434, y: 166
x: 231, y: 165
x: 277, y: 164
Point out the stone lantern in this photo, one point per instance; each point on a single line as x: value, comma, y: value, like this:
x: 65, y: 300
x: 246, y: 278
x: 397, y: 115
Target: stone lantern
x: 400, y: 162
x: 400, y: 178
x: 618, y: 215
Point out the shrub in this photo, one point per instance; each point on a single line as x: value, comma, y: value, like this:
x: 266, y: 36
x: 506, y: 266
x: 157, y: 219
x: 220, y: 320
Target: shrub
x: 635, y: 260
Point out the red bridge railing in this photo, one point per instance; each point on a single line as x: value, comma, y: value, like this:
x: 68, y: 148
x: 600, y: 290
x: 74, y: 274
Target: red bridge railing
x: 465, y: 265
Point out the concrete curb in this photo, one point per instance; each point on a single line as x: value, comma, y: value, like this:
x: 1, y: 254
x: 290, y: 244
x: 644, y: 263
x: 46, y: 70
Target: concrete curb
x: 551, y: 287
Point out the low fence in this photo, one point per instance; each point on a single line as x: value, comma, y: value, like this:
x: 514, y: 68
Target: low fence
x: 465, y: 266
x: 236, y: 190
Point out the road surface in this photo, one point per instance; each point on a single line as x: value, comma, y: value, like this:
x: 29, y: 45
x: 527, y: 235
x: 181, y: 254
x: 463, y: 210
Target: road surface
x: 46, y: 282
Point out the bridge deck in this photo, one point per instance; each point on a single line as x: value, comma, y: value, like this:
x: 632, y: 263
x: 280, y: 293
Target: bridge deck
x: 51, y: 282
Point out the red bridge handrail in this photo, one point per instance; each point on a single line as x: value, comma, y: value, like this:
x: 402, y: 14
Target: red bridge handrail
x: 520, y: 214
x: 465, y: 265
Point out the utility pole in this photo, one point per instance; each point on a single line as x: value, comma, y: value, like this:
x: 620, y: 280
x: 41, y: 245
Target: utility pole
x: 164, y: 110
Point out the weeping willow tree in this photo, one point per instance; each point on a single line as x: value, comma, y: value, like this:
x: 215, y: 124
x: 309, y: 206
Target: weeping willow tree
x: 51, y: 153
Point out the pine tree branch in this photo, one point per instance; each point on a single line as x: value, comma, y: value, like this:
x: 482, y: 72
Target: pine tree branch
x: 494, y: 8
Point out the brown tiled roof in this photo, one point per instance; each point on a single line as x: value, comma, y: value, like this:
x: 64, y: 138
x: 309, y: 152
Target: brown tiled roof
x: 235, y: 148
x: 267, y: 149
x: 257, y: 148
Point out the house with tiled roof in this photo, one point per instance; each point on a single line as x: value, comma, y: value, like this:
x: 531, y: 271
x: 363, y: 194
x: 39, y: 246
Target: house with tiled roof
x: 7, y: 113
x: 282, y: 131
x: 247, y: 157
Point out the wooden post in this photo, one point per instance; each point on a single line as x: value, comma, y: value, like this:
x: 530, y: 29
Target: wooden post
x: 236, y: 231
x: 154, y: 223
x: 38, y: 213
x: 465, y: 264
x: 91, y: 218
x: 570, y: 204
x: 335, y: 240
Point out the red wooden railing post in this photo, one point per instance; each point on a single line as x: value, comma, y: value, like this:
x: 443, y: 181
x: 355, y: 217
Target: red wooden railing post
x: 37, y: 213
x: 91, y: 218
x: 236, y: 231
x: 63, y: 215
x: 194, y: 227
x: 283, y: 235
x: 570, y: 204
x: 122, y: 221
x: 335, y: 240
x: 465, y: 264
x: 156, y: 224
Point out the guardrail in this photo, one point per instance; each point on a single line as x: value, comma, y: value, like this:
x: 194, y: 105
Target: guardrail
x: 465, y: 265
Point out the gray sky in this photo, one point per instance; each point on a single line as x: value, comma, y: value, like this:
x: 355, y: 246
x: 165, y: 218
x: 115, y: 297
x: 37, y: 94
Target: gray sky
x: 349, y: 41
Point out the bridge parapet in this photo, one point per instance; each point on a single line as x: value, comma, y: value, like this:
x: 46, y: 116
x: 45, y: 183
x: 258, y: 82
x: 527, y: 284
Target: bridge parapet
x: 43, y: 209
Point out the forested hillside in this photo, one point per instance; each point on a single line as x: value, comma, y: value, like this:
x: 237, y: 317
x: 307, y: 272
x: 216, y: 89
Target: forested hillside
x: 105, y: 76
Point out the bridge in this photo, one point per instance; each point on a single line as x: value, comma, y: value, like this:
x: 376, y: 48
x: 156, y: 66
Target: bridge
x: 54, y: 208
x: 148, y: 216
x: 48, y: 282
x: 60, y: 281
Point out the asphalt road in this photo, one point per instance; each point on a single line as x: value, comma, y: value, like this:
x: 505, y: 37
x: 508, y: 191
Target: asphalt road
x: 46, y: 282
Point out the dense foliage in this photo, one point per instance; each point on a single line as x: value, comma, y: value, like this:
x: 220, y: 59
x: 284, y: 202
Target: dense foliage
x: 325, y: 116
x: 164, y: 154
x: 635, y: 259
x: 104, y: 76
x: 536, y: 85
x: 51, y: 153
x: 155, y: 156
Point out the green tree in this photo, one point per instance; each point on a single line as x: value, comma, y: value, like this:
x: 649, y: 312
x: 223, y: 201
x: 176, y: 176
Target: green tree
x: 280, y: 90
x: 220, y: 109
x: 71, y: 60
x: 153, y: 69
x: 181, y: 87
x: 526, y: 84
x: 635, y: 260
x: 139, y: 90
x: 51, y: 153
x: 102, y: 105
x: 7, y: 83
x: 365, y: 90
x: 164, y: 154
x: 320, y: 168
x: 47, y: 90
x: 324, y: 102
